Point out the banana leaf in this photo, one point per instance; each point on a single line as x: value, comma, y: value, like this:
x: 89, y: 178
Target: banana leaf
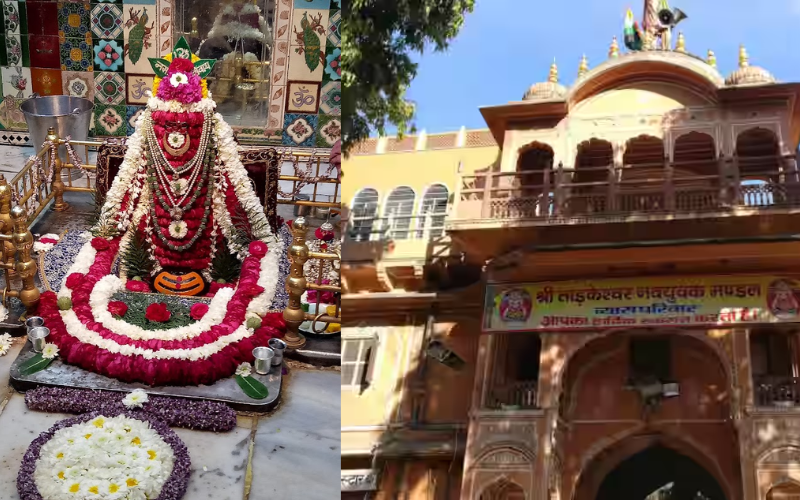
x: 252, y: 387
x: 35, y: 364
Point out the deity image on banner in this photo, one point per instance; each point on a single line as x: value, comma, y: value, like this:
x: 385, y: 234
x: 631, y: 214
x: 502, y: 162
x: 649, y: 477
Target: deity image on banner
x: 515, y: 305
x: 783, y: 299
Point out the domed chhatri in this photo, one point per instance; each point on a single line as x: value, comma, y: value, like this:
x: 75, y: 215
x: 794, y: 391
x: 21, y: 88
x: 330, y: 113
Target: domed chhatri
x: 749, y: 75
x: 550, y: 89
x: 182, y: 218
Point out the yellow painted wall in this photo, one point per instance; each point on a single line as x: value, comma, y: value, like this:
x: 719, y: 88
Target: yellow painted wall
x: 378, y: 404
x: 417, y: 170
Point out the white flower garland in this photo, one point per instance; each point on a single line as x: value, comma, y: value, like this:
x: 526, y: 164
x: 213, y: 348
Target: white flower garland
x: 41, y: 247
x: 113, y: 458
x: 83, y: 261
x: 202, y: 106
x: 109, y: 285
x: 268, y: 279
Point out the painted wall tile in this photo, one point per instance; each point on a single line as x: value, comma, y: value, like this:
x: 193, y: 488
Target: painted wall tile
x: 74, y: 19
x: 78, y: 84
x: 299, y: 70
x: 46, y: 81
x: 132, y: 114
x: 312, y: 4
x: 109, y: 88
x: 11, y: 117
x: 136, y: 87
x: 16, y: 81
x: 106, y: 21
x: 282, y: 24
x: 42, y: 17
x: 309, y: 36
x: 280, y: 63
x: 140, y: 30
x: 330, y: 99
x: 76, y: 55
x: 15, y: 18
x: 108, y: 55
x: 45, y: 52
x: 334, y: 24
x: 109, y: 1
x: 299, y: 129
x: 329, y: 130
x: 276, y: 103
x: 13, y: 50
x: 302, y: 97
x: 333, y: 65
x: 163, y: 30
x: 110, y: 120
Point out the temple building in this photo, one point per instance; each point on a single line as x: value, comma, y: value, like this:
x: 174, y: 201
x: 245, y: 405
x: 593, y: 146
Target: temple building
x: 596, y: 297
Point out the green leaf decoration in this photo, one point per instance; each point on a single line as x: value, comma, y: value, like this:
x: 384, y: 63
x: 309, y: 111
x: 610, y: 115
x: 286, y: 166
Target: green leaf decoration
x: 135, y: 258
x: 203, y: 67
x: 225, y: 266
x: 35, y: 364
x: 160, y: 66
x: 252, y: 387
x: 182, y: 50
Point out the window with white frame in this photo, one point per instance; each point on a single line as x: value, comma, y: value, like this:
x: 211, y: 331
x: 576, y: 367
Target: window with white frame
x: 358, y: 359
x: 398, y: 212
x: 363, y: 214
x: 432, y: 212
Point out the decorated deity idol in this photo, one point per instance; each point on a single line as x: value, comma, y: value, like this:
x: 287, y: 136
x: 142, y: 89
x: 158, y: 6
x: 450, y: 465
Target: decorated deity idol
x: 181, y: 218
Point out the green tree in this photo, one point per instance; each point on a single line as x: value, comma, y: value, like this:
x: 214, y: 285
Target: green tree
x: 378, y: 37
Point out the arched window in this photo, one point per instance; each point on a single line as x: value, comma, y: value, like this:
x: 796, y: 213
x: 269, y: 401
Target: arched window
x: 364, y: 212
x: 758, y: 154
x: 432, y: 212
x: 398, y: 212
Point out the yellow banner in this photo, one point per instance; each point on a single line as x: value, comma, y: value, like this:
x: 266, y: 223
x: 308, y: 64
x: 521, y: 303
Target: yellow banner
x: 645, y: 302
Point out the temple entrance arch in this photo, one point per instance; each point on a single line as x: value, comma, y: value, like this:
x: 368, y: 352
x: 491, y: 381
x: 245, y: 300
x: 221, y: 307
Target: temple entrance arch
x: 504, y: 489
x: 650, y: 467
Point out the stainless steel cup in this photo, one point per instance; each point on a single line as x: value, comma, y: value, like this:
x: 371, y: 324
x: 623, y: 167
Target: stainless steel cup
x: 278, y: 346
x: 38, y: 337
x: 34, y: 322
x: 263, y: 357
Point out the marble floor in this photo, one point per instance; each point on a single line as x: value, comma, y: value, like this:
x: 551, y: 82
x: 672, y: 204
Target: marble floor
x: 291, y: 453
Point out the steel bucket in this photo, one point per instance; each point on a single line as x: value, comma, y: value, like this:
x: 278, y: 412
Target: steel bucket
x: 69, y: 116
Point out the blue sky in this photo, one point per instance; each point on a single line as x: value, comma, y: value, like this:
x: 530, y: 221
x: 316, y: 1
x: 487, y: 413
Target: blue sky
x: 506, y: 45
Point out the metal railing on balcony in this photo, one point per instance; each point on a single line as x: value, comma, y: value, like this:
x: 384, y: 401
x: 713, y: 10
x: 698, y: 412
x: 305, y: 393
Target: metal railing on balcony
x: 560, y: 196
x: 400, y: 227
x: 519, y: 395
x: 776, y: 391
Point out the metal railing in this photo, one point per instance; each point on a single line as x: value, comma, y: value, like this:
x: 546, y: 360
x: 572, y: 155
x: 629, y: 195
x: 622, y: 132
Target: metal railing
x: 559, y: 196
x: 401, y: 227
x: 519, y: 395
x: 31, y: 190
x: 776, y: 391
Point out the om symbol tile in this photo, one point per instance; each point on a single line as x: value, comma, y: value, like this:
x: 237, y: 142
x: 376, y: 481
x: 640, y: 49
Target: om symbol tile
x: 302, y: 97
x: 106, y: 21
x: 137, y: 87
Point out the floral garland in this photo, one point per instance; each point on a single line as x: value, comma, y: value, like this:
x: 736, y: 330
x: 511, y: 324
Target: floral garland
x: 70, y: 459
x: 213, y: 354
x: 175, y: 412
x: 5, y: 343
x: 45, y: 243
x: 238, y: 30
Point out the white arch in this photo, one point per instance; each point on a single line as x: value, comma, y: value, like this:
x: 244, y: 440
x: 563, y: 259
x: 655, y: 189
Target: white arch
x: 398, y: 211
x: 364, y: 211
x: 432, y: 211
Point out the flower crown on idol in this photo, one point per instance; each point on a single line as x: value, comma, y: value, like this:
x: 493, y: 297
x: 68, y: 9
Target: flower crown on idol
x: 181, y: 75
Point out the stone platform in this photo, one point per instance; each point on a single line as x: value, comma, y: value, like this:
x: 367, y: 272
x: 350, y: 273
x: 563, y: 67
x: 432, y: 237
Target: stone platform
x: 226, y: 391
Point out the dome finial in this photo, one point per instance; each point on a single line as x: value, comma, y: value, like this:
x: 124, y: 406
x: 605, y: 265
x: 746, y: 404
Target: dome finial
x: 680, y: 43
x: 711, y: 59
x: 613, y: 51
x: 744, y: 59
x: 553, y: 78
x: 583, y: 67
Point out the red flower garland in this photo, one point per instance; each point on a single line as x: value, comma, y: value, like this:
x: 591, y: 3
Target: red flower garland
x: 135, y: 368
x: 137, y: 286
